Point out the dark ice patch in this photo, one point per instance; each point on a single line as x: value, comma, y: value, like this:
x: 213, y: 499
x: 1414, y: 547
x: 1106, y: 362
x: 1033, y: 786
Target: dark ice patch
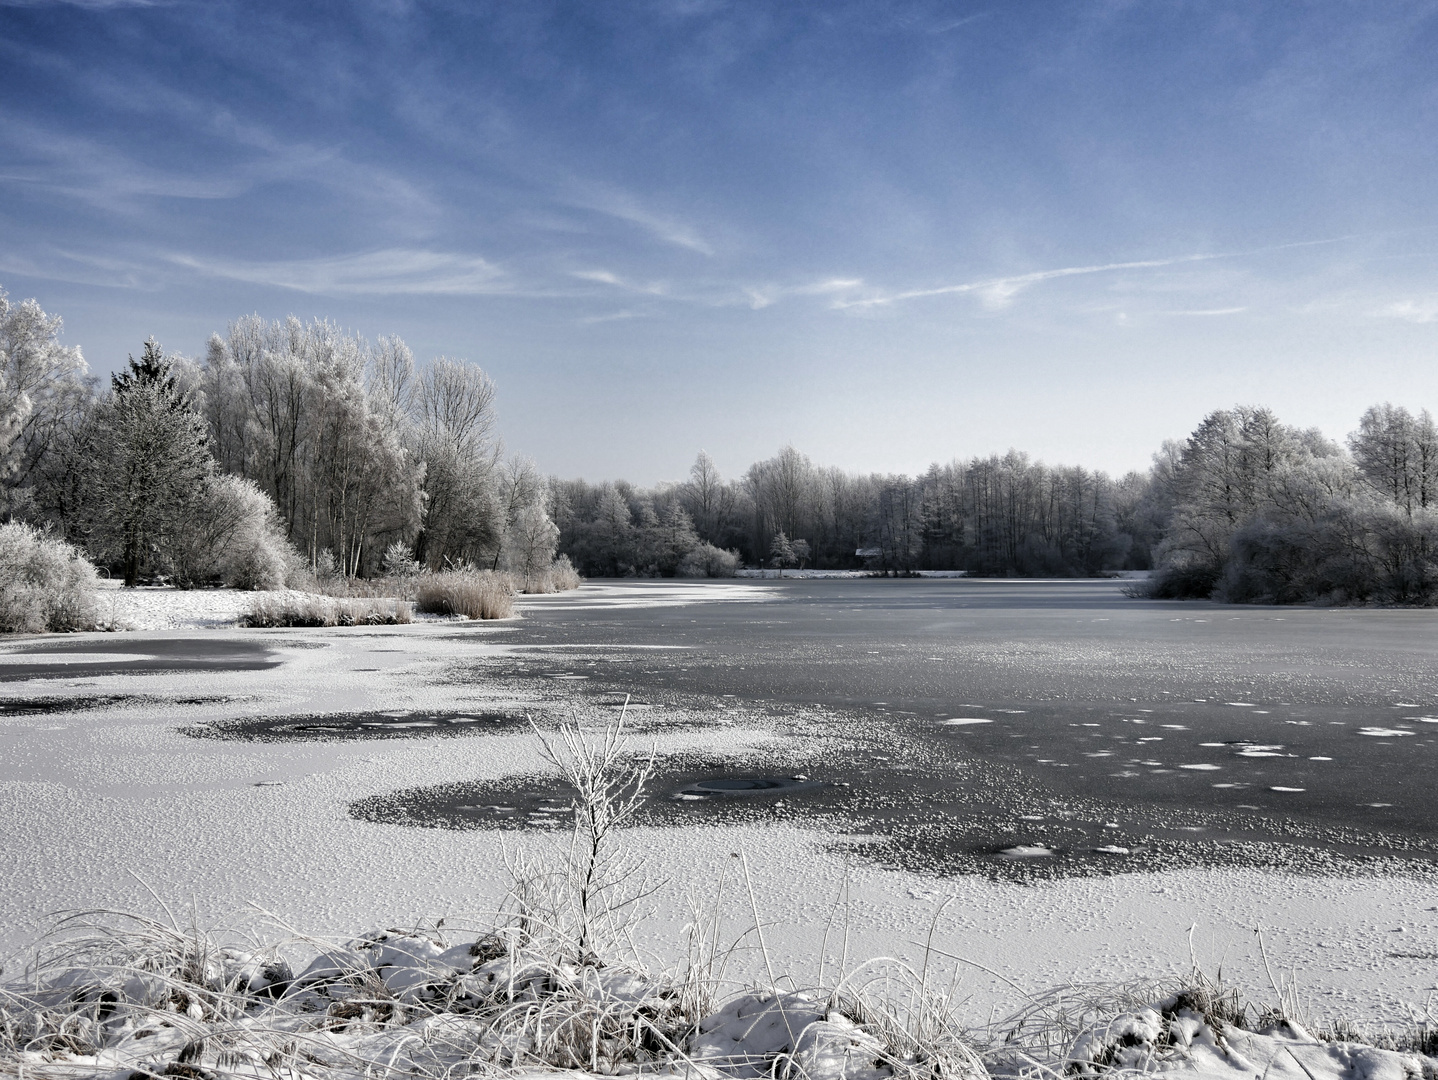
x: 681, y: 791
x: 739, y: 787
x: 42, y: 706
x: 931, y: 814
x: 46, y: 659
x: 352, y: 727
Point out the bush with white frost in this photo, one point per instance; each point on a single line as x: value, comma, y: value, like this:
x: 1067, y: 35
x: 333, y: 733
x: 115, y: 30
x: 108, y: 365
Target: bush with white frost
x: 706, y: 560
x: 322, y: 611
x: 45, y: 583
x: 399, y: 561
x: 232, y: 535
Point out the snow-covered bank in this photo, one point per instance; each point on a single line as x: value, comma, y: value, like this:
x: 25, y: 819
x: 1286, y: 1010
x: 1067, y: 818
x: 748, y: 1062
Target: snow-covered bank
x: 116, y: 994
x: 155, y: 608
x: 158, y: 608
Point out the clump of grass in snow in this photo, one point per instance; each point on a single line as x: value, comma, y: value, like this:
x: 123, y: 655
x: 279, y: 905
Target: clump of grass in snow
x: 302, y: 610
x: 559, y: 576
x: 475, y: 594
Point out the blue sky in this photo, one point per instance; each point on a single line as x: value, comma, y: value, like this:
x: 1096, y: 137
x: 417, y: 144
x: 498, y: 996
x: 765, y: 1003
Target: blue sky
x: 888, y: 233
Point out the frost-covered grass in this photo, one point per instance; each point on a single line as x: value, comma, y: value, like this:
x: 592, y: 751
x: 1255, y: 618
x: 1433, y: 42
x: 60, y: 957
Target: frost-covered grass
x: 475, y: 594
x: 289, y: 609
x: 559, y: 577
x: 112, y: 995
x: 467, y: 590
x: 115, y: 993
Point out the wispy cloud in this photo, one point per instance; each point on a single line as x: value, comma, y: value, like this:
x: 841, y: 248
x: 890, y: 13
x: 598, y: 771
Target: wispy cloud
x: 613, y: 316
x: 75, y: 165
x: 53, y: 264
x: 1210, y: 311
x: 389, y: 272
x: 1414, y: 311
x: 999, y: 292
x: 944, y: 28
x: 762, y: 296
x: 626, y: 208
x: 607, y: 277
x: 995, y: 293
x: 106, y: 176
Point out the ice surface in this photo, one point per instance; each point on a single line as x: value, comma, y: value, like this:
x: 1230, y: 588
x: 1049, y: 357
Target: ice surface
x: 118, y: 794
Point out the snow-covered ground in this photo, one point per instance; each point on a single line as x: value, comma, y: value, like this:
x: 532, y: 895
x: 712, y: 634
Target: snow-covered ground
x: 153, y: 608
x: 106, y: 806
x: 156, y: 608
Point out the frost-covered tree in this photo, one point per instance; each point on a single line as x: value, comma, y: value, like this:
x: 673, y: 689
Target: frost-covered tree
x: 613, y: 532
x: 147, y: 464
x: 671, y: 536
x: 44, y: 393
x: 784, y: 489
x: 706, y: 560
x: 319, y: 419
x: 704, y: 494
x: 452, y: 405
x: 1259, y: 511
x: 781, y: 551
x: 230, y: 534
x: 1397, y: 453
x: 520, y: 486
x: 14, y: 411
x: 1230, y: 470
x: 530, y: 544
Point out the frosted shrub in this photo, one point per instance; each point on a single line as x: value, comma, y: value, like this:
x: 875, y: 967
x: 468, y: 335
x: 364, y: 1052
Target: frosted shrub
x: 45, y: 583
x: 231, y: 534
x: 563, y: 576
x: 559, y: 576
x: 256, y: 554
x: 399, y: 561
x: 706, y: 560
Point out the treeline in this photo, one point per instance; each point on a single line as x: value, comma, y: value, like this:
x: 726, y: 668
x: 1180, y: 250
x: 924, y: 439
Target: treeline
x: 301, y: 451
x: 1004, y: 515
x: 289, y: 451
x: 1246, y: 509
x: 1255, y: 510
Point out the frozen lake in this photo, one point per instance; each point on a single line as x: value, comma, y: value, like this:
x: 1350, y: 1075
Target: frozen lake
x: 1314, y: 726
x: 1116, y: 770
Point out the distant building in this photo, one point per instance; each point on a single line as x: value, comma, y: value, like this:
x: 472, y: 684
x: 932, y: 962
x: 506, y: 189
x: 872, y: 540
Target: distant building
x: 868, y: 553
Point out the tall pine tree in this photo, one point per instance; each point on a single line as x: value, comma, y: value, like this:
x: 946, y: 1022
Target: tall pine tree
x: 149, y: 461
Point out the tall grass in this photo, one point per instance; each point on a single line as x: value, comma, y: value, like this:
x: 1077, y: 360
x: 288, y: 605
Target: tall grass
x: 466, y: 591
x: 560, y: 576
x: 300, y: 610
x: 475, y: 594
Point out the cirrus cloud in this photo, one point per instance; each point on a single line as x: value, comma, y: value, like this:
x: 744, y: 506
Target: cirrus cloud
x: 391, y: 271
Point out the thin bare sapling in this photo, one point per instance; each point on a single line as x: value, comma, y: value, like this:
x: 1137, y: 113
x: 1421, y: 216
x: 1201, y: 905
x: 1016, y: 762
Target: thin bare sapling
x: 602, y: 880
